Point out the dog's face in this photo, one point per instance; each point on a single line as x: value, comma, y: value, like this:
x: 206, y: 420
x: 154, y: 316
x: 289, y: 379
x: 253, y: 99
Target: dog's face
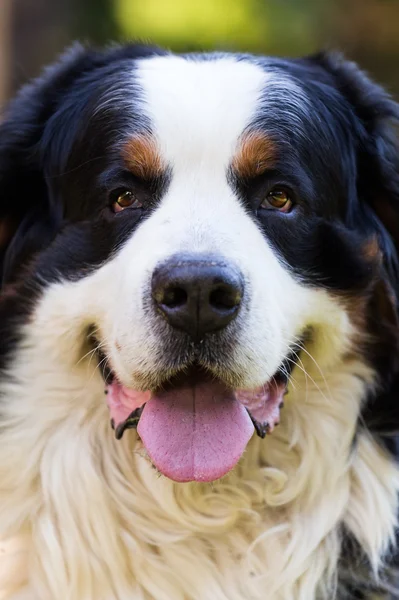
x: 197, y: 221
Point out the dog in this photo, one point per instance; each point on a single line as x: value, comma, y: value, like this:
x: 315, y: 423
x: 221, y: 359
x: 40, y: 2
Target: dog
x: 199, y: 329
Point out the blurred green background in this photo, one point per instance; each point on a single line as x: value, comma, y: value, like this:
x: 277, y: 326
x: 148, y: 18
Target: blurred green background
x: 33, y: 32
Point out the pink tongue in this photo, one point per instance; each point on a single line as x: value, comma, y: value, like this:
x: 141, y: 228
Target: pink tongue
x: 195, y: 433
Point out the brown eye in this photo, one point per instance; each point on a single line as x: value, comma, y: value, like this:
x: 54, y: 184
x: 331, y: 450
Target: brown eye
x: 125, y: 200
x: 277, y: 199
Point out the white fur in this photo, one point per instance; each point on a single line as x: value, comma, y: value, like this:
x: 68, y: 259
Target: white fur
x: 98, y: 521
x: 101, y: 524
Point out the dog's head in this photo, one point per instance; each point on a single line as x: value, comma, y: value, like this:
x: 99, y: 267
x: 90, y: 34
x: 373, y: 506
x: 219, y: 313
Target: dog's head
x: 199, y: 220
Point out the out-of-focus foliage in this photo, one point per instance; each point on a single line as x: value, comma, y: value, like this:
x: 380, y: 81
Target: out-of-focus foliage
x: 275, y: 26
x: 95, y: 21
x: 201, y: 23
x: 366, y: 30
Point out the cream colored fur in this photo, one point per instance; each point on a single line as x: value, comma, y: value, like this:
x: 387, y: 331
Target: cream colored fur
x: 97, y: 522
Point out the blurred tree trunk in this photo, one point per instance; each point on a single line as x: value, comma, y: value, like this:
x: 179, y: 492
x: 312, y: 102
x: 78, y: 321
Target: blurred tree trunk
x: 40, y: 31
x: 5, y: 34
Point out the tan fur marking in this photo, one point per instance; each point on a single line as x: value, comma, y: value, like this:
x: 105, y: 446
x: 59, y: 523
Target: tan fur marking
x: 142, y: 158
x: 255, y: 154
x: 371, y: 249
x: 357, y: 304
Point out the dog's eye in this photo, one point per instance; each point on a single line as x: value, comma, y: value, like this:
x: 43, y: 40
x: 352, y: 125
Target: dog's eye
x: 277, y: 199
x: 125, y: 200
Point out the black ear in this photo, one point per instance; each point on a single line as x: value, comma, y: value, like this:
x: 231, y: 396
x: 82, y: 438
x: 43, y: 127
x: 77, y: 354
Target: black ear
x: 28, y: 215
x: 375, y: 117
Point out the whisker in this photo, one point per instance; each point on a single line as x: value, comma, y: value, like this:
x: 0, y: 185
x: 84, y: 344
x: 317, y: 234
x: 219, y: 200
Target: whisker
x: 311, y: 379
x: 93, y: 350
x: 302, y: 348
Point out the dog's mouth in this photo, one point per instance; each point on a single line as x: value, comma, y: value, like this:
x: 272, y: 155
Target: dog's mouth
x: 195, y: 428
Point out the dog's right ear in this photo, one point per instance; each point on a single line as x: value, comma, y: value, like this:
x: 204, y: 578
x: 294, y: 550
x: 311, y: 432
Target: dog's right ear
x: 28, y: 215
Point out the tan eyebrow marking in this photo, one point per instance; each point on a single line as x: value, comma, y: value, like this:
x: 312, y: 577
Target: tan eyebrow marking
x: 256, y: 153
x: 141, y: 156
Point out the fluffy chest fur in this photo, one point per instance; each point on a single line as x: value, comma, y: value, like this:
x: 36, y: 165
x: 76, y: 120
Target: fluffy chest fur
x: 100, y: 522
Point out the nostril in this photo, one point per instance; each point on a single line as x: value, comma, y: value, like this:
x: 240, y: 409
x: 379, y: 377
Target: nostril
x: 197, y: 294
x: 174, y: 297
x: 225, y: 297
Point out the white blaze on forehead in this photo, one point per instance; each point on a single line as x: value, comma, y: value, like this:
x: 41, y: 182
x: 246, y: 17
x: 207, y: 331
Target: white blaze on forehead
x: 199, y: 108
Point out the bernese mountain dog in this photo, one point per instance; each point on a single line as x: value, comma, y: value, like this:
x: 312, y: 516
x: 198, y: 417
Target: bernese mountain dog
x: 194, y: 250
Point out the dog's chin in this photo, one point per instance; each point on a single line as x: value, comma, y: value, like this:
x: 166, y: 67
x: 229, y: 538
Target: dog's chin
x: 194, y: 426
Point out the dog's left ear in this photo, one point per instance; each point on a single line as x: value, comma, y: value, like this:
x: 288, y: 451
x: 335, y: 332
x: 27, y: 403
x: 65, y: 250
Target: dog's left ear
x: 377, y: 151
x: 376, y: 115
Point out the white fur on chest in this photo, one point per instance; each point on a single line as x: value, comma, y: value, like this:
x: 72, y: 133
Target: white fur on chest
x: 99, y: 523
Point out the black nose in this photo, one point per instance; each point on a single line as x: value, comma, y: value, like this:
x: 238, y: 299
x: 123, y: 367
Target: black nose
x: 197, y: 294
